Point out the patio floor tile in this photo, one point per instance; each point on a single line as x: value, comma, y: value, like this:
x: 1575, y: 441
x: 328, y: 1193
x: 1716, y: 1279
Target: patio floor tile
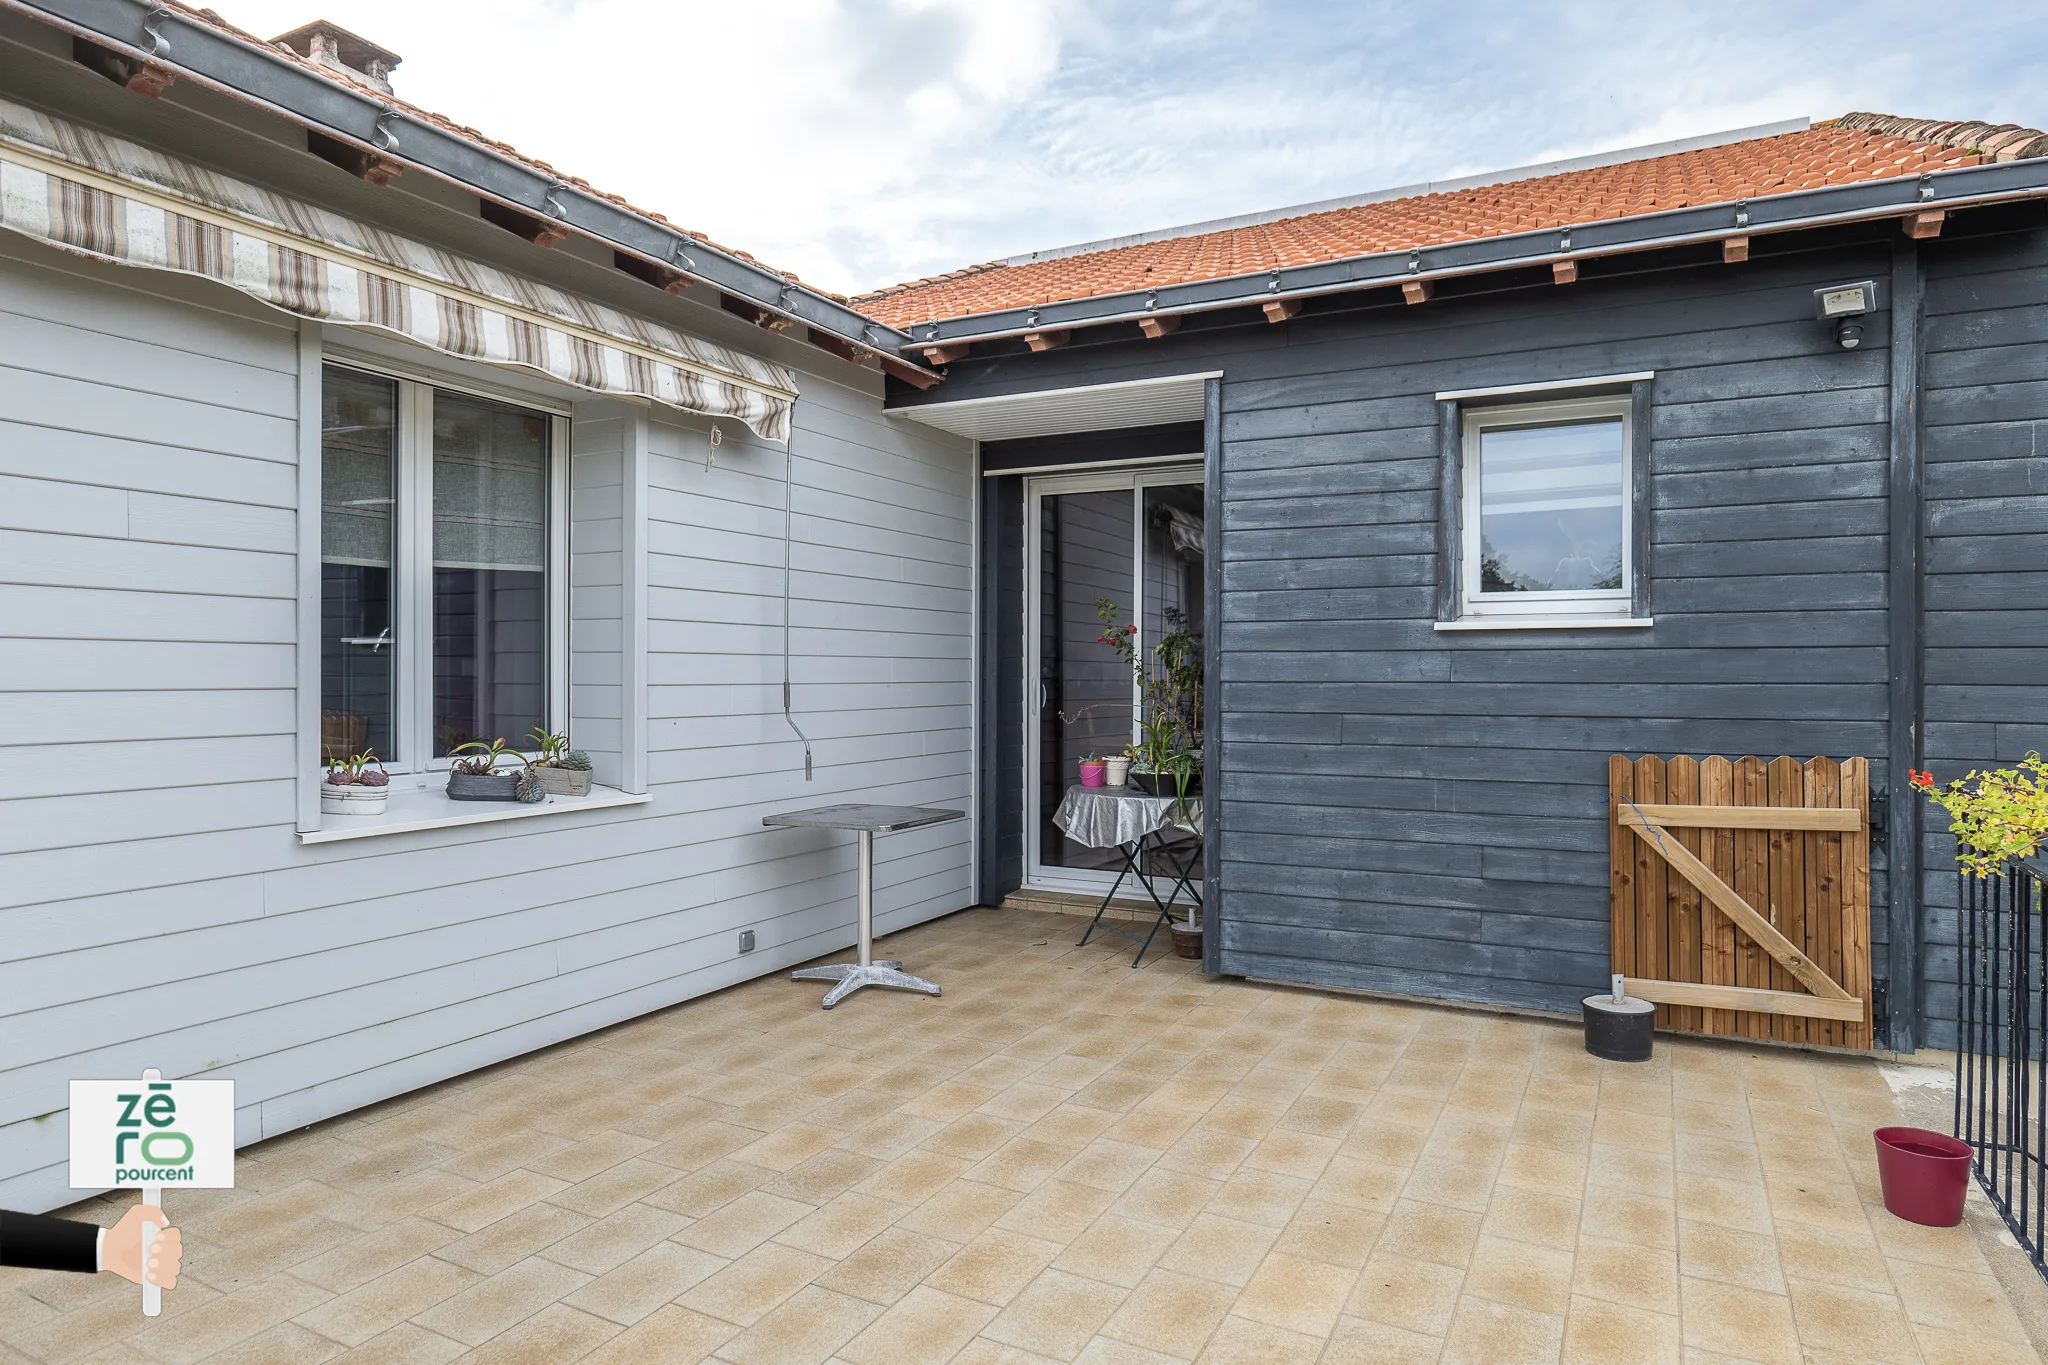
x: 1063, y: 1159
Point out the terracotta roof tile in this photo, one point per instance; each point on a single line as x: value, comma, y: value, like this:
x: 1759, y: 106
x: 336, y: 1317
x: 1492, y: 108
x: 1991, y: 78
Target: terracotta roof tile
x: 1855, y: 147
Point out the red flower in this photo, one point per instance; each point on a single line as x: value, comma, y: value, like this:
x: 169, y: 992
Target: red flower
x: 1920, y: 779
x: 1130, y: 630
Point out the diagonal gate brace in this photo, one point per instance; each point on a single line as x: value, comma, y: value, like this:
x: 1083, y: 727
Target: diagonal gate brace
x: 1745, y: 916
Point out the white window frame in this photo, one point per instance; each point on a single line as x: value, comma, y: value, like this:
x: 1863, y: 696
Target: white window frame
x: 412, y: 548
x: 1108, y: 479
x: 1577, y: 604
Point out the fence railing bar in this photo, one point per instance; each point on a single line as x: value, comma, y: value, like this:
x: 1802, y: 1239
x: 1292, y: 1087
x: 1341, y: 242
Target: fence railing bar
x: 2001, y: 1104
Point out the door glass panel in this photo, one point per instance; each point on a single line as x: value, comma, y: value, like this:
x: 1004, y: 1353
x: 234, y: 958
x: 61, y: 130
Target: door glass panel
x: 490, y: 571
x: 1086, y: 552
x: 358, y: 460
x: 1173, y: 602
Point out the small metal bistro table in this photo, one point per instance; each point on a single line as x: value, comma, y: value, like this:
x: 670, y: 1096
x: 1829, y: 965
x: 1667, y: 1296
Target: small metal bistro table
x: 1132, y: 822
x: 867, y: 821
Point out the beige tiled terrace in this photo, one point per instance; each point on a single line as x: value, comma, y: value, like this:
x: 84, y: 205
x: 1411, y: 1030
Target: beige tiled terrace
x: 1064, y: 1159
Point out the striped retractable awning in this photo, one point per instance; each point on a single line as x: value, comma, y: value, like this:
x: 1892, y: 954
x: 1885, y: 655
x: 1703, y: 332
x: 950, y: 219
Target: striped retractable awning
x: 103, y: 196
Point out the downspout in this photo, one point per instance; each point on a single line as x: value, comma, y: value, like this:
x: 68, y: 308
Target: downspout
x: 788, y: 480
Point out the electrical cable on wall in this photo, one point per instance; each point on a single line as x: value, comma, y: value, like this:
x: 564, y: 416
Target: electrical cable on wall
x: 788, y: 480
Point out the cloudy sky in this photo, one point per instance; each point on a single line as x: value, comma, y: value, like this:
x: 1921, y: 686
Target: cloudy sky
x: 862, y: 142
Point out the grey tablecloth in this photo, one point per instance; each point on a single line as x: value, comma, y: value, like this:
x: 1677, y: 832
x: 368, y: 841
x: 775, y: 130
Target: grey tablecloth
x: 1106, y: 817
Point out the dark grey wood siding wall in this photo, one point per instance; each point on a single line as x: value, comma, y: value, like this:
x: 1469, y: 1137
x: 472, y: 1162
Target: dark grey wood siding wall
x: 1001, y: 853
x: 1985, y: 447
x: 1421, y: 812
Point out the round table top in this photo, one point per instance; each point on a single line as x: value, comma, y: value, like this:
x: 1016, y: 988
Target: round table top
x: 1107, y: 817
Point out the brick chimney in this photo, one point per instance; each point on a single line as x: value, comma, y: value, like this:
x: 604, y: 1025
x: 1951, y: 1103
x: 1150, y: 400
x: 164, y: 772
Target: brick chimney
x: 335, y: 47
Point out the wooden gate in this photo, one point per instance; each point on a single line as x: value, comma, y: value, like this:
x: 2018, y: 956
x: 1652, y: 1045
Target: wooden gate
x: 1740, y: 894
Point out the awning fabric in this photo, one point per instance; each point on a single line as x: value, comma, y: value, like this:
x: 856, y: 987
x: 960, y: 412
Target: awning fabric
x: 89, y: 192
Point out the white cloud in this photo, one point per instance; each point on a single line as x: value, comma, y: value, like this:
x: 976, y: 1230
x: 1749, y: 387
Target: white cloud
x: 859, y: 142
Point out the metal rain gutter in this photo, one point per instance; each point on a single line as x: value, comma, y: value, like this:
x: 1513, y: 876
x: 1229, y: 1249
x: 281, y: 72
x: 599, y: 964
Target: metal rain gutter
x: 252, y: 73
x: 1961, y: 187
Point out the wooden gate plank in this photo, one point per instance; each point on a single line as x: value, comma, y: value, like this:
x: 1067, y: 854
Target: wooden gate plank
x: 1717, y: 787
x: 1766, y: 936
x: 1856, y: 894
x: 1776, y: 1003
x: 1682, y: 784
x: 1824, y: 887
x: 1621, y: 895
x: 1787, y: 908
x: 1752, y: 886
x: 1736, y: 817
x: 1650, y: 888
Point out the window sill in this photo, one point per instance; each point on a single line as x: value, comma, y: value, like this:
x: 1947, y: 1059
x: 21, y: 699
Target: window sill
x: 1549, y: 623
x: 421, y: 808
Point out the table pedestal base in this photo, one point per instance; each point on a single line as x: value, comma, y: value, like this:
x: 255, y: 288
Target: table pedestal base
x: 851, y: 976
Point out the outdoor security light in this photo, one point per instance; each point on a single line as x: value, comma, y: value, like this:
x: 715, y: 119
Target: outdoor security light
x: 1844, y: 305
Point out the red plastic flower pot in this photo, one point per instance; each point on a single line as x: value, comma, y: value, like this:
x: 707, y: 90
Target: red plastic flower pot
x: 1925, y: 1175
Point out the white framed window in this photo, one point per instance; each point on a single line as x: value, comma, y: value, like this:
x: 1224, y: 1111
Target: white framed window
x: 443, y: 567
x: 1546, y: 511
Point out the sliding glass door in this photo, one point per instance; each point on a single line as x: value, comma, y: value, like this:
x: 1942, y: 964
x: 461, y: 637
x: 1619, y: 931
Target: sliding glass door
x: 1131, y: 542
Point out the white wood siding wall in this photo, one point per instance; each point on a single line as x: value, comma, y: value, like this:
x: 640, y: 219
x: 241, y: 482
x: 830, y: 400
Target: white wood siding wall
x: 155, y: 908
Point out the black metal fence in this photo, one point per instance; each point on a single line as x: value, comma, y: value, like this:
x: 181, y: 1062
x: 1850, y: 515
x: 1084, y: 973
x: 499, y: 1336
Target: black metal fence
x: 2001, y: 1043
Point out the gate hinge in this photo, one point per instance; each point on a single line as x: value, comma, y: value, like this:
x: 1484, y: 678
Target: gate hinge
x: 1880, y: 820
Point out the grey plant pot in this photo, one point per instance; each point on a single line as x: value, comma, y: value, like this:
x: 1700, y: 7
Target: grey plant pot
x: 565, y: 781
x: 497, y: 786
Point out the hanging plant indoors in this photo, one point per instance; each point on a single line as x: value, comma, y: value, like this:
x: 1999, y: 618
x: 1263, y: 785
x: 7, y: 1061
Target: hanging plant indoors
x: 2002, y: 818
x: 356, y: 785
x: 478, y: 777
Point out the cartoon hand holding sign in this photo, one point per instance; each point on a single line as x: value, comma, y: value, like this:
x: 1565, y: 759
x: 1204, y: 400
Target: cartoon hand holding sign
x: 150, y: 1134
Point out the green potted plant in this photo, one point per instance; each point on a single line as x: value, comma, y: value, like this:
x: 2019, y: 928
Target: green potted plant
x: 1166, y: 760
x: 2002, y: 818
x: 475, y: 774
x: 356, y: 785
x: 563, y: 771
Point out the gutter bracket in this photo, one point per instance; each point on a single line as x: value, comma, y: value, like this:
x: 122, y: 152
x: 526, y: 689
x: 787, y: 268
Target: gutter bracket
x: 1414, y: 262
x: 152, y: 29
x: 381, y: 134
x: 1742, y: 213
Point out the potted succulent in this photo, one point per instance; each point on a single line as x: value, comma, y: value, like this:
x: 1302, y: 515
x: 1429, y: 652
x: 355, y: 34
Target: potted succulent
x: 1116, y: 768
x: 562, y: 771
x: 1167, y: 759
x: 356, y: 785
x: 477, y: 777
x: 1092, y: 769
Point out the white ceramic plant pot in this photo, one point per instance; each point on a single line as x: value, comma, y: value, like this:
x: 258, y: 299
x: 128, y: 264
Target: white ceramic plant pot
x: 352, y: 800
x: 1119, y: 771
